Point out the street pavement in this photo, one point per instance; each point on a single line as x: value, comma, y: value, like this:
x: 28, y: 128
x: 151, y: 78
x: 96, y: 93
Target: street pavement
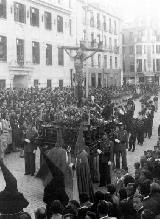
x: 32, y: 188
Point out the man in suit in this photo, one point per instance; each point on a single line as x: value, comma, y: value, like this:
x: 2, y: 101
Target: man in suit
x: 122, y: 145
x: 29, y: 150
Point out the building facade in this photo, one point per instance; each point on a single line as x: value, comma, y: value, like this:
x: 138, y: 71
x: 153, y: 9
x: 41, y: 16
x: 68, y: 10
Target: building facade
x: 31, y: 35
x: 96, y: 25
x: 33, y: 32
x: 141, y: 54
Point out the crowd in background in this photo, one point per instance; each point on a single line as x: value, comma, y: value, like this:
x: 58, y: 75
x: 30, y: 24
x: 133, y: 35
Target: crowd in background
x: 23, y: 111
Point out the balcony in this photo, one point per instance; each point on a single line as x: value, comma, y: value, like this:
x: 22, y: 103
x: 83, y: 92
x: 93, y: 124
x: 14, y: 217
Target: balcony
x: 20, y: 60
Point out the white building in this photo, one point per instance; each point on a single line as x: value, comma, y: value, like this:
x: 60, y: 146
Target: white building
x: 31, y: 33
x: 31, y: 36
x: 95, y: 24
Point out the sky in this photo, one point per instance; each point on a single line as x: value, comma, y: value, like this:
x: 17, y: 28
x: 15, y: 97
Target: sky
x: 128, y: 10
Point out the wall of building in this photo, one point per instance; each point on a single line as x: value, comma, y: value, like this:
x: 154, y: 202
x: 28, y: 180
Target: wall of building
x: 15, y: 30
x: 69, y: 10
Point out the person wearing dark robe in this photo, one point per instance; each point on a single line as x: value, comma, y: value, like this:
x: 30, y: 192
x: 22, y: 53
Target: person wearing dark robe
x: 55, y: 189
x: 84, y: 181
x: 107, y: 111
x: 12, y: 202
x: 105, y: 160
x: 58, y: 155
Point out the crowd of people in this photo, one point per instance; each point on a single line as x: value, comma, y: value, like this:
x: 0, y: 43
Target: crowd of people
x: 24, y: 111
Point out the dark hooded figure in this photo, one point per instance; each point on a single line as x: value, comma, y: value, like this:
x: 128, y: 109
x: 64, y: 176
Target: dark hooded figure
x: 55, y: 189
x: 84, y: 181
x: 12, y: 202
x: 58, y: 156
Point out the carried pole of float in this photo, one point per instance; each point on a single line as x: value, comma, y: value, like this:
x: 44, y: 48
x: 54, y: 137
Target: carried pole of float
x: 86, y: 23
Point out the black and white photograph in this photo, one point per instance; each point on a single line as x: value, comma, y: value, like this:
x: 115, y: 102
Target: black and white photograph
x: 79, y: 109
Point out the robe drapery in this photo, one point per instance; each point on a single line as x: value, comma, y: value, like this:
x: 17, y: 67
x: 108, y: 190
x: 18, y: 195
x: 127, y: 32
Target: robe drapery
x: 84, y: 181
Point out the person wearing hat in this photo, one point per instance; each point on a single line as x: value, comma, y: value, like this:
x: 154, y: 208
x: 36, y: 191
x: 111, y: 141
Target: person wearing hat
x: 12, y: 202
x: 121, y: 144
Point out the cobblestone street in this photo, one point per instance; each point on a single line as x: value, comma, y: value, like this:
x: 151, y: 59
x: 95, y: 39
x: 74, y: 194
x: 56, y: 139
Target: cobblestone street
x: 32, y: 187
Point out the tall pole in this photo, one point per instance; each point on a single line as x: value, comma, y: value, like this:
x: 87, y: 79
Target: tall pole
x: 86, y: 23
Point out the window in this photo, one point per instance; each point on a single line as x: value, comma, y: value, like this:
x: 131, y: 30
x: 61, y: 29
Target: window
x: 99, y: 80
x: 105, y: 41
x: 20, y: 52
x: 153, y: 49
x: 131, y: 50
x: 144, y: 49
x: 35, y: 53
x: 158, y: 64
x: 70, y: 3
x: 92, y: 61
x: 2, y: 84
x: 104, y: 23
x: 48, y: 54
x: 49, y: 83
x: 34, y: 16
x: 110, y: 43
x: 131, y: 67
x: 139, y: 50
x: 158, y: 38
x: 158, y: 49
x: 99, y: 60
x: 139, y: 65
x: 98, y: 21
x: 154, y: 67
x: 131, y: 38
x: 48, y: 20
x: 116, y: 62
x: 92, y: 39
x: 93, y: 80
x: 145, y: 65
x: 115, y: 43
x: 110, y: 62
x: 36, y: 83
x: 70, y: 27
x: 3, y: 13
x: 123, y: 39
x: 105, y: 61
x: 115, y: 27
x: 3, y: 48
x: 60, y: 24
x: 84, y: 35
x: 60, y: 56
x: 19, y: 12
x: 99, y: 38
x: 91, y: 19
x: 110, y: 25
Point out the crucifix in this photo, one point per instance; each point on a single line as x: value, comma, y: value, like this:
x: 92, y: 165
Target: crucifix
x: 79, y: 60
